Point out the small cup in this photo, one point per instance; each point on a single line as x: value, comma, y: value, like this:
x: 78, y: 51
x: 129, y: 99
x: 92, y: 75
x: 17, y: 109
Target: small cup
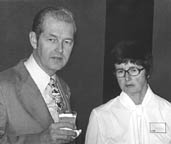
x: 68, y: 117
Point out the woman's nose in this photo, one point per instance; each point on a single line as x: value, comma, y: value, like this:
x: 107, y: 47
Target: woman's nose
x: 127, y: 76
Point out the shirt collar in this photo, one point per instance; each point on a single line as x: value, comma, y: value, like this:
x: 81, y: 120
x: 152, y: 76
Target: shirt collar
x: 128, y: 103
x: 40, y: 77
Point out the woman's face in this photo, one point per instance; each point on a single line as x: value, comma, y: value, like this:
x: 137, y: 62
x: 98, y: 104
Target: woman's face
x: 132, y: 85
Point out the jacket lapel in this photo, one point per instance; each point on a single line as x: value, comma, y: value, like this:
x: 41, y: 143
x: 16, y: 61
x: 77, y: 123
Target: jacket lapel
x: 31, y: 98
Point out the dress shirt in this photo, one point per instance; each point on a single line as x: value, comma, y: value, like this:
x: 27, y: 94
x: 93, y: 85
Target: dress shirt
x: 41, y: 79
x: 120, y: 121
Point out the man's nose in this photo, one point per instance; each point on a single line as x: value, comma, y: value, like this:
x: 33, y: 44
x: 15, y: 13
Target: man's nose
x: 59, y: 47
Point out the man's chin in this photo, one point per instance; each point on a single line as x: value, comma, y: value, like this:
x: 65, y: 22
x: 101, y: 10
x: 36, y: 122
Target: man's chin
x: 58, y: 67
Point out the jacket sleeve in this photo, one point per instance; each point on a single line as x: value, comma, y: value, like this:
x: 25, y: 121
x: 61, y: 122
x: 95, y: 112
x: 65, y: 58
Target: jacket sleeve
x: 41, y: 138
x: 3, y: 120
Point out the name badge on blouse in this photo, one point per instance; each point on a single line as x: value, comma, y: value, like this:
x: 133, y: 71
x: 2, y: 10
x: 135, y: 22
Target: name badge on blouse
x: 157, y: 127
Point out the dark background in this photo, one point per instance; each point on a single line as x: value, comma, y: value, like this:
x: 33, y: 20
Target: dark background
x: 101, y: 24
x: 161, y: 78
x: 125, y: 20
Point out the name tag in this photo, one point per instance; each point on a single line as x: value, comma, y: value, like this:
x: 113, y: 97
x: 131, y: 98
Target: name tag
x: 157, y: 127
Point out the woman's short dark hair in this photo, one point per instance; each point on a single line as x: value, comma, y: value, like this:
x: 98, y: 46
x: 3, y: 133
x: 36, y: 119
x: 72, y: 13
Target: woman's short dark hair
x: 137, y: 52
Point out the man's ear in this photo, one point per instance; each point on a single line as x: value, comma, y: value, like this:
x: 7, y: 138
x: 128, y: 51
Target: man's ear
x: 33, y: 39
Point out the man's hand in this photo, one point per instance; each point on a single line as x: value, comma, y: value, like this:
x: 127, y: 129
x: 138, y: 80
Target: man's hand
x: 59, y: 135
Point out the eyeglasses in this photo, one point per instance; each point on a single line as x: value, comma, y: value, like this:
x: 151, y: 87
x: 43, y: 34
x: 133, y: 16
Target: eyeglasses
x: 132, y: 71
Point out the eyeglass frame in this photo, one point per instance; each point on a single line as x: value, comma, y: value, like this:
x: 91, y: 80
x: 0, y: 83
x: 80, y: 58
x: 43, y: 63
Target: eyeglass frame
x: 127, y: 71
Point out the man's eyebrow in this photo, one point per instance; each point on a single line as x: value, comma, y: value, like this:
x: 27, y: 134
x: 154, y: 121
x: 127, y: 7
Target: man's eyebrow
x: 52, y: 35
x: 68, y: 38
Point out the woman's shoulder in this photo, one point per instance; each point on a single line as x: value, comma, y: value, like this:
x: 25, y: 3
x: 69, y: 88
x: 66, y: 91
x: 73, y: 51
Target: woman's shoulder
x: 108, y: 106
x: 162, y: 103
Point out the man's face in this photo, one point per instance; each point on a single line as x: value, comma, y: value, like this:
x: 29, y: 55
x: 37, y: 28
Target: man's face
x: 132, y: 85
x: 53, y: 48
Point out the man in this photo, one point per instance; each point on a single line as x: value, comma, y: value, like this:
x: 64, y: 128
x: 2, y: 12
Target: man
x: 28, y: 115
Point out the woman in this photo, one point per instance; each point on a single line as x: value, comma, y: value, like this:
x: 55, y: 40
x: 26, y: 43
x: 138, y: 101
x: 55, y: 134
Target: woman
x: 137, y: 115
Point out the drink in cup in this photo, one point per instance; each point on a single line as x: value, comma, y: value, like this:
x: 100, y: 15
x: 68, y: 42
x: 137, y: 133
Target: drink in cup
x: 69, y: 117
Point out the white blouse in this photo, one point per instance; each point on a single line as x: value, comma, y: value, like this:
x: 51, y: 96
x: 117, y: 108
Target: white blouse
x: 120, y: 121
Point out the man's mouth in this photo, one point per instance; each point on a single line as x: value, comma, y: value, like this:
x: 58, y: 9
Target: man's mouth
x: 57, y: 57
x: 129, y: 85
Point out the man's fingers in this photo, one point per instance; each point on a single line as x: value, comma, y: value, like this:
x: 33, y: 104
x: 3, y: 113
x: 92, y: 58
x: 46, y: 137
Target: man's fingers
x: 62, y: 137
x: 64, y: 132
x: 59, y: 125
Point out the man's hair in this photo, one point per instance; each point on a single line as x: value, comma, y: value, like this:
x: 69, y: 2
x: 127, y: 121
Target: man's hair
x: 60, y: 14
x: 137, y: 52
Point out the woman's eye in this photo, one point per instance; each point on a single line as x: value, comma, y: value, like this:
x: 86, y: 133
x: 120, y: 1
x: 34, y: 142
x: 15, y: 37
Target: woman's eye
x: 120, y: 71
x: 133, y: 70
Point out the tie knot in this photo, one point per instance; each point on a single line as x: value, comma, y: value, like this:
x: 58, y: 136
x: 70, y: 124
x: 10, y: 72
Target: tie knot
x: 52, y: 81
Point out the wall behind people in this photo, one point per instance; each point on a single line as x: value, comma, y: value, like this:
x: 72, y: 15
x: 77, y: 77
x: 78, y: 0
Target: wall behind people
x: 125, y: 20
x: 84, y: 72
x: 161, y: 78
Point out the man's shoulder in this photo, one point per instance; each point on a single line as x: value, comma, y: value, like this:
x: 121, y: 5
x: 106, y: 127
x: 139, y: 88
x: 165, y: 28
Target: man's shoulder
x: 12, y: 73
x: 7, y: 74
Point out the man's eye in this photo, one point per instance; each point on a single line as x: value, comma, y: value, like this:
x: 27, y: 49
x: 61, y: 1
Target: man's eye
x: 68, y: 42
x: 52, y: 40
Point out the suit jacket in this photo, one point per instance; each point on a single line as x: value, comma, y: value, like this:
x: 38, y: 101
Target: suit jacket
x: 24, y: 115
